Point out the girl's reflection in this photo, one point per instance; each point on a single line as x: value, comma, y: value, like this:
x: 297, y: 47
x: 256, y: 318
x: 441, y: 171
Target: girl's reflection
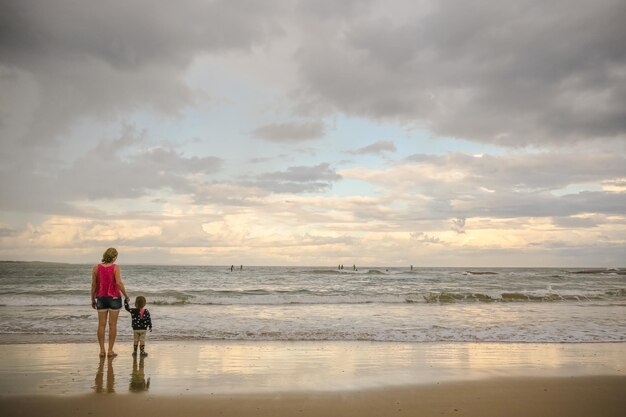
x: 138, y: 381
x: 99, y: 386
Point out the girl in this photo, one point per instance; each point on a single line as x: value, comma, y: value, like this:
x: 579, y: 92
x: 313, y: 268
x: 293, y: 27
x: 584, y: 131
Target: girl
x: 106, y: 297
x: 141, y: 322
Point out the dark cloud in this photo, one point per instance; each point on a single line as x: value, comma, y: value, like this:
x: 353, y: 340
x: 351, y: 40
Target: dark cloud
x: 102, y: 59
x: 321, y: 172
x: 458, y: 225
x: 7, y: 232
x: 260, y: 160
x: 297, y: 179
x: 423, y: 158
x: 507, y: 72
x: 119, y: 175
x: 130, y: 34
x: 377, y: 148
x: 118, y: 168
x: 291, y: 132
x: 579, y: 222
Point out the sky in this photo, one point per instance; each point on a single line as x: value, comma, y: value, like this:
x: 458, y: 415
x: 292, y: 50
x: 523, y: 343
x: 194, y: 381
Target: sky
x: 295, y: 132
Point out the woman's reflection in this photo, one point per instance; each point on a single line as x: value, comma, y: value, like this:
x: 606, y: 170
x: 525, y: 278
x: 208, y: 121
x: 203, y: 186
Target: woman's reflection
x: 138, y: 381
x: 99, y: 386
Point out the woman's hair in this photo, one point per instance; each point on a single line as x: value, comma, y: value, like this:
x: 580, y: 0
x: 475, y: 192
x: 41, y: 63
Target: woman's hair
x: 140, y: 302
x: 109, y: 255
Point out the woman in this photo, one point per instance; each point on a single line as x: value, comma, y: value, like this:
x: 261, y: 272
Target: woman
x: 106, y: 285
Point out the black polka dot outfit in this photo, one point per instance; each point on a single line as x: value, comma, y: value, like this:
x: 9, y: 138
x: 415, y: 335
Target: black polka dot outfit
x: 138, y: 322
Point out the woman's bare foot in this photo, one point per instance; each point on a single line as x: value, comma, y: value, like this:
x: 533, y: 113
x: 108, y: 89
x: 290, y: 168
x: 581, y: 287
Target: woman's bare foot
x: 111, y: 354
x: 102, y: 354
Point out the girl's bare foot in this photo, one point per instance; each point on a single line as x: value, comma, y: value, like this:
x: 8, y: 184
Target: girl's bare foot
x: 102, y: 354
x: 111, y: 354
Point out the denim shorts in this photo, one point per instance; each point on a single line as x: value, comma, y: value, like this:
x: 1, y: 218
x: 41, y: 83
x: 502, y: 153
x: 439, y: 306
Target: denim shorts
x: 108, y: 303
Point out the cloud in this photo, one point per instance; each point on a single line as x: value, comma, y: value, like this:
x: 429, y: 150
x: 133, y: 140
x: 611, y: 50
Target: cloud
x: 507, y: 186
x: 458, y: 225
x: 298, y: 179
x: 578, y: 222
x: 7, y: 232
x: 104, y: 59
x: 551, y: 75
x: 260, y: 160
x: 424, y: 238
x: 113, y: 169
x: 292, y: 132
x: 515, y: 172
x: 512, y: 73
x: 377, y: 148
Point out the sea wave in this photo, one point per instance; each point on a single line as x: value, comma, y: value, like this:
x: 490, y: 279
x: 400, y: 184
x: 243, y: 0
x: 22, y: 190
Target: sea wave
x: 614, y: 271
x: 449, y: 297
x: 325, y: 297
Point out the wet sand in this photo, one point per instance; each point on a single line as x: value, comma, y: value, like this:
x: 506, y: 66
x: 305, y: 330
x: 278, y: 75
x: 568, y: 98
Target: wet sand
x: 316, y: 379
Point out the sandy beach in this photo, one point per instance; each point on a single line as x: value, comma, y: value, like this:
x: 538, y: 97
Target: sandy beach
x: 580, y: 396
x: 316, y: 379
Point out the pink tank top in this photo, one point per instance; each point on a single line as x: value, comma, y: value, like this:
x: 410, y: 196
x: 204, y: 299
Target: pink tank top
x: 106, y: 282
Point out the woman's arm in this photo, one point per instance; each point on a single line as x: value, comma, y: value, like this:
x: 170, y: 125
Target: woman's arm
x: 118, y: 281
x: 94, y: 285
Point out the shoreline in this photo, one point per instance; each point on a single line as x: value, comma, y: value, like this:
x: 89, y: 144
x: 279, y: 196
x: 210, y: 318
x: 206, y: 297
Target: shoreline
x: 125, y: 338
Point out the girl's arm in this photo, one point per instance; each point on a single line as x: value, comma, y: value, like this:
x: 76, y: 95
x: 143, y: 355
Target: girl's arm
x: 94, y: 285
x: 118, y: 281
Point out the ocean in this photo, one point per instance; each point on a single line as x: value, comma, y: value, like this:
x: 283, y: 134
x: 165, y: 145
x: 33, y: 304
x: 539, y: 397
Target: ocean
x: 50, y: 303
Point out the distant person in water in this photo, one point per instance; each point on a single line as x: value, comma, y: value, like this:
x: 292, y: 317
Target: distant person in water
x: 141, y: 322
x: 106, y: 297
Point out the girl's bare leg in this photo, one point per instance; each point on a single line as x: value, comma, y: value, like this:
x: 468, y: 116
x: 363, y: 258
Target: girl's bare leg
x: 113, y: 314
x: 102, y: 324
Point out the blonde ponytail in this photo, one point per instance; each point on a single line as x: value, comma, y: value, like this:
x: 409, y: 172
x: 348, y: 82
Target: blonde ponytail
x: 109, y: 255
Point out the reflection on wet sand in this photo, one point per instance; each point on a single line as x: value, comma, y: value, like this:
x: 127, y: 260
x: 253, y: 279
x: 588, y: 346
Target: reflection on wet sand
x: 99, y: 385
x: 240, y: 367
x: 138, y: 381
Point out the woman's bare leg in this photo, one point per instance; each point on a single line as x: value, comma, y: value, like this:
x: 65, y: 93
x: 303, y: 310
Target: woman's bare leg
x: 102, y: 324
x: 113, y: 314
